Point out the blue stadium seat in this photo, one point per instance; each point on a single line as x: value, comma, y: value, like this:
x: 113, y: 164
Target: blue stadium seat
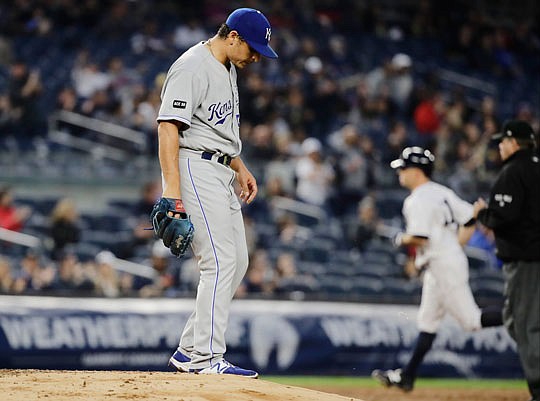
x: 486, y: 274
x: 125, y: 204
x: 44, y: 206
x: 378, y: 245
x: 301, y: 283
x: 111, y: 222
x: 364, y: 286
x: 382, y: 257
x: 317, y: 250
x: 381, y: 269
x: 369, y: 274
x: 492, y: 289
x: 389, y: 207
x: 334, y: 285
x: 339, y: 256
x: 85, y: 251
x: 342, y: 269
x: 479, y: 259
x: 266, y: 234
x: 311, y: 268
x: 12, y: 251
x: 400, y: 290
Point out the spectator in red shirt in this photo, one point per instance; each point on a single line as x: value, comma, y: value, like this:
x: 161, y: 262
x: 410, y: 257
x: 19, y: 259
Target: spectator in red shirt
x: 428, y: 116
x: 11, y: 216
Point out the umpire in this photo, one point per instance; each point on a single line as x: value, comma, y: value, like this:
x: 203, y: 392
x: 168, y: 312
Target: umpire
x: 513, y: 212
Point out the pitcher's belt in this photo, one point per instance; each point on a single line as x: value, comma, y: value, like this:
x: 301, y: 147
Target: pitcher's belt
x: 217, y: 157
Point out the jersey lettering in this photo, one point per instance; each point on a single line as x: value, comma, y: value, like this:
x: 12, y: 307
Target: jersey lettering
x: 220, y: 111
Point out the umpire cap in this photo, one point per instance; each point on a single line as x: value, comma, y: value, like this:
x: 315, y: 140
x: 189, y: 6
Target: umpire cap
x: 415, y: 156
x: 515, y: 129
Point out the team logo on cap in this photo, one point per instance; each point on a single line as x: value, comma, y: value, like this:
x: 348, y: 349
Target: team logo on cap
x: 268, y: 34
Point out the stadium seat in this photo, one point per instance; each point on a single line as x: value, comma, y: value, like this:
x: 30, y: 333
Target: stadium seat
x: 84, y: 251
x: 401, y: 290
x: 342, y: 269
x: 486, y: 275
x: 317, y: 250
x: 311, y: 268
x: 334, y: 285
x: 390, y: 203
x: 123, y: 204
x: 479, y: 259
x: 378, y: 245
x: 364, y: 286
x: 490, y: 289
x: 381, y: 270
x: 301, y: 283
x: 378, y: 257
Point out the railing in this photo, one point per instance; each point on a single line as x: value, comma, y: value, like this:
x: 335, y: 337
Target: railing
x: 18, y: 238
x: 108, y: 140
x: 33, y: 242
x: 297, y: 207
x: 467, y: 81
x: 464, y: 80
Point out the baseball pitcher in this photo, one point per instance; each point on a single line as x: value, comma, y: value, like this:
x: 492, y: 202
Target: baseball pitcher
x: 199, y: 148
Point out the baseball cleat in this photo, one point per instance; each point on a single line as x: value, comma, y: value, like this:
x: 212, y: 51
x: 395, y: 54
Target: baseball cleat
x: 226, y: 368
x: 393, y: 378
x: 180, y: 362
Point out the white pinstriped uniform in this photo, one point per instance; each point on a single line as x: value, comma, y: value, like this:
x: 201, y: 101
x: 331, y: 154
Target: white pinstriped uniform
x: 202, y: 93
x: 435, y: 212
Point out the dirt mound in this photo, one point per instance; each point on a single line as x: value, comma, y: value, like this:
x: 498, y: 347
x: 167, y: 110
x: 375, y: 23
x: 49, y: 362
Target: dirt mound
x: 18, y: 385
x: 55, y: 385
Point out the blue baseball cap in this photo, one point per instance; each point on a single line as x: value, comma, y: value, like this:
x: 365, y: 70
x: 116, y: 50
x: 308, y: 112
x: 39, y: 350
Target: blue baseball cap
x: 254, y: 28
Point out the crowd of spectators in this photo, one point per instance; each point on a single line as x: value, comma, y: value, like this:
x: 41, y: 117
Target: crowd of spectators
x: 55, y: 264
x: 355, y: 83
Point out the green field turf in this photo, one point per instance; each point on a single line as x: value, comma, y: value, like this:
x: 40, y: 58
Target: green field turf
x: 340, y: 381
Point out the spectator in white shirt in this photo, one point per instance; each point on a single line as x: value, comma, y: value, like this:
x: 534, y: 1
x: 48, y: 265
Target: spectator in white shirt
x: 315, y: 176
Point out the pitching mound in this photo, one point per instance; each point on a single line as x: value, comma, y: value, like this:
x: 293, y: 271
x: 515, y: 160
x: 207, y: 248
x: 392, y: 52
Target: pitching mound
x: 18, y: 385
x: 54, y: 385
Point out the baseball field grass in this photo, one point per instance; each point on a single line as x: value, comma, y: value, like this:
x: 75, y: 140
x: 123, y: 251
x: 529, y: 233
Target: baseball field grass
x: 349, y: 381
x: 428, y: 389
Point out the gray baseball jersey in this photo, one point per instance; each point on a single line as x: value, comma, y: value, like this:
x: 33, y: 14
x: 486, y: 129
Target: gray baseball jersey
x: 202, y: 93
x: 435, y: 212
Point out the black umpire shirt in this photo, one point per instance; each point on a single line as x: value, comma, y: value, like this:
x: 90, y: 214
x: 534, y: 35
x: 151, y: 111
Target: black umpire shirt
x: 514, y: 208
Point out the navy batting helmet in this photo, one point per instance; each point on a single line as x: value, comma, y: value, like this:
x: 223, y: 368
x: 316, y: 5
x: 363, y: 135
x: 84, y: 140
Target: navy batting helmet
x: 415, y: 156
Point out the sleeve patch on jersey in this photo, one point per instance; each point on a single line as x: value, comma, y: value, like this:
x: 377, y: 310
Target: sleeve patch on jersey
x: 503, y: 199
x: 179, y: 104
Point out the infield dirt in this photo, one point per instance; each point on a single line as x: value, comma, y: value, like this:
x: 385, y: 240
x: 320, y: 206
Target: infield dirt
x: 54, y: 385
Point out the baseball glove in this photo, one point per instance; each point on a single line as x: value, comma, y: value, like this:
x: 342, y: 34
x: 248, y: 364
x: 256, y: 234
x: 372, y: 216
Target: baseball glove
x: 176, y: 232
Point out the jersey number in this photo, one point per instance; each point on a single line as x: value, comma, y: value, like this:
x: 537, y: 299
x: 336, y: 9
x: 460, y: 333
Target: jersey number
x: 449, y: 220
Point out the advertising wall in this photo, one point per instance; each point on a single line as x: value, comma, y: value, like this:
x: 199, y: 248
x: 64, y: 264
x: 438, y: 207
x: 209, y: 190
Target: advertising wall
x: 274, y: 337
